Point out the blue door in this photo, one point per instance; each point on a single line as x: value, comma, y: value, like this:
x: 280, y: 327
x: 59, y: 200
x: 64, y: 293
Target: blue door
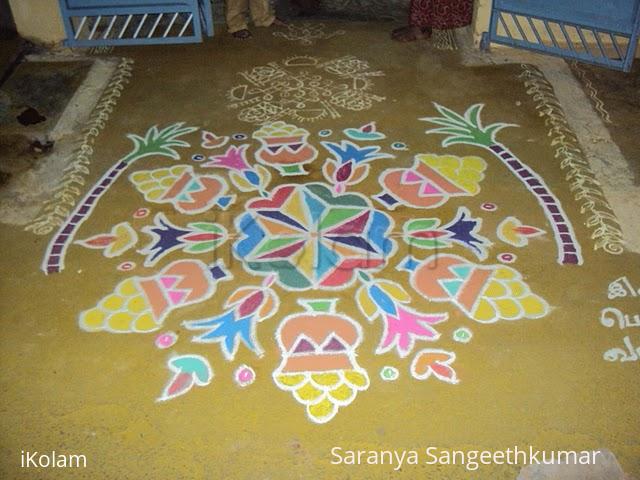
x: 602, y: 32
x: 91, y: 23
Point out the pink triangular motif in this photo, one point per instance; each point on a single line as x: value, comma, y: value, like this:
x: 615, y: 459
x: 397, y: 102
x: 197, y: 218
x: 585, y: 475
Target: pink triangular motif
x: 176, y: 296
x: 429, y: 189
x: 411, y: 176
x: 168, y: 281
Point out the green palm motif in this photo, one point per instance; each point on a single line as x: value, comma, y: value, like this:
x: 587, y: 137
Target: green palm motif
x: 468, y: 129
x: 465, y: 128
x: 159, y: 142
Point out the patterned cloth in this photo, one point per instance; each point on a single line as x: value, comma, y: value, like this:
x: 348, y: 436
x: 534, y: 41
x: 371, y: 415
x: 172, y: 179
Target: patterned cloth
x: 440, y: 14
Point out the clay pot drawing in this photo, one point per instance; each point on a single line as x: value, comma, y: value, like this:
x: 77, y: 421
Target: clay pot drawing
x: 319, y: 359
x: 284, y: 147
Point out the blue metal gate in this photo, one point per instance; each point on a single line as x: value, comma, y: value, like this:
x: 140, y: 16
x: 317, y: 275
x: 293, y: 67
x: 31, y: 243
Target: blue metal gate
x: 90, y: 23
x: 602, y: 32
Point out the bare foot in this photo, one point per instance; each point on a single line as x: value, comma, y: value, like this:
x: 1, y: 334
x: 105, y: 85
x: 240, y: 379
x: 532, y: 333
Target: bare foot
x: 242, y: 34
x: 410, y: 33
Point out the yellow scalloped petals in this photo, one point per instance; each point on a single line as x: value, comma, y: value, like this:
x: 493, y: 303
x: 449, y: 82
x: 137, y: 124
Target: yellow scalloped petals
x: 534, y: 306
x: 466, y: 172
x: 485, y: 312
x: 324, y: 392
x: 279, y: 129
x: 154, y: 183
x: 509, y: 308
x: 357, y: 378
x: 322, y: 411
x: 508, y: 297
x: 127, y: 288
x: 144, y: 323
x: 121, y: 321
x: 308, y: 393
x: 343, y: 394
x: 141, y: 176
x: 289, y: 381
x: 496, y: 288
x: 506, y: 273
x: 516, y: 288
x: 92, y: 319
x: 124, y: 310
x: 324, y: 380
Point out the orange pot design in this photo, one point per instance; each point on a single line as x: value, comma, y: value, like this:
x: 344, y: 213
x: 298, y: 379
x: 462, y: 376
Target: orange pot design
x: 285, y: 147
x: 319, y: 359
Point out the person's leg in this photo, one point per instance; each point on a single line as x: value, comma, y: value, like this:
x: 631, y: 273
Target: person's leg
x: 420, y: 12
x: 237, y: 18
x: 448, y: 14
x: 261, y: 13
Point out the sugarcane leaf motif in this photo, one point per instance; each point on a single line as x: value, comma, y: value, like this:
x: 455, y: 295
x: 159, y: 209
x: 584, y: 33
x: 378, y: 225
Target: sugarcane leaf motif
x: 160, y: 142
x: 464, y: 129
x: 468, y: 129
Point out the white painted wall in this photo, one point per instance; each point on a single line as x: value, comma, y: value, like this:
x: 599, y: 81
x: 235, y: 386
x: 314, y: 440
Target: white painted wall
x: 38, y: 20
x: 481, y: 16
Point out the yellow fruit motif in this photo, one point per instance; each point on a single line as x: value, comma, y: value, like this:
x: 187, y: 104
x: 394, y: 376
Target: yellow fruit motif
x: 114, y: 313
x: 507, y: 297
x: 466, y: 172
x: 154, y: 183
x: 324, y: 393
x: 140, y: 304
x: 279, y: 129
x: 486, y: 293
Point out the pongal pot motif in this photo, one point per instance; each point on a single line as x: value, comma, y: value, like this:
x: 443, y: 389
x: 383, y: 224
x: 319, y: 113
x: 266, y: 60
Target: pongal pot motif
x: 319, y: 359
x: 284, y: 147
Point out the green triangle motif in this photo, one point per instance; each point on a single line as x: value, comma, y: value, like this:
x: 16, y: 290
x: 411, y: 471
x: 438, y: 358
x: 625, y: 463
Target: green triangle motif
x: 462, y: 271
x: 452, y: 286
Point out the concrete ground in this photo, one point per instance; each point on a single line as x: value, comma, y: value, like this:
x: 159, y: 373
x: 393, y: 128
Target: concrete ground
x: 546, y: 355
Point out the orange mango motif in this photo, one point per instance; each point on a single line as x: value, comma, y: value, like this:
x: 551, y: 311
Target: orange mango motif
x: 141, y: 304
x: 485, y: 293
x: 188, y: 192
x: 432, y: 180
